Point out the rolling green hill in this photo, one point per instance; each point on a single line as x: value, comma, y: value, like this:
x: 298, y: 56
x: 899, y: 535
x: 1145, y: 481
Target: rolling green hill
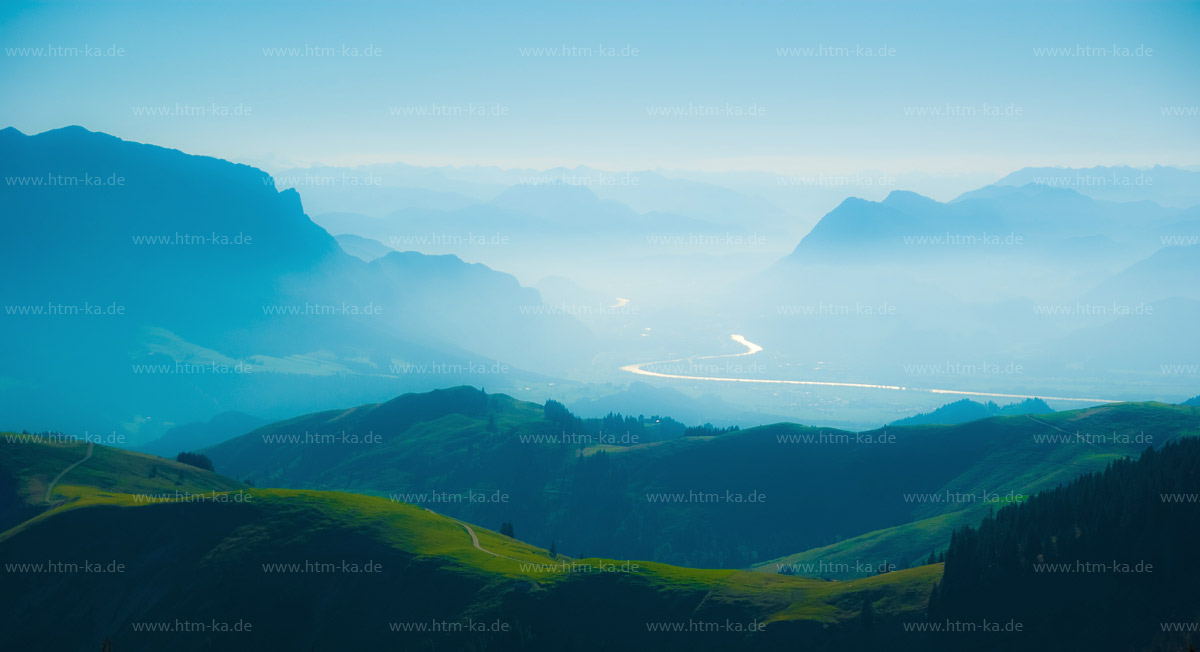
x: 1044, y: 451
x: 248, y: 569
x: 733, y: 500
x: 150, y: 554
x: 31, y: 465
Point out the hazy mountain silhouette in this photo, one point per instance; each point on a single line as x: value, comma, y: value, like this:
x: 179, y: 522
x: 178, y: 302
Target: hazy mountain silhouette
x: 646, y: 399
x: 913, y: 292
x: 1165, y: 185
x: 382, y: 189
x: 1168, y: 273
x: 194, y: 436
x: 225, y: 295
x: 1028, y: 220
x: 363, y: 248
x: 968, y: 410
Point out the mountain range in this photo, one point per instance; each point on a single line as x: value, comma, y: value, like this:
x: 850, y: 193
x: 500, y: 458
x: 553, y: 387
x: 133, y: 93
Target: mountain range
x: 243, y: 285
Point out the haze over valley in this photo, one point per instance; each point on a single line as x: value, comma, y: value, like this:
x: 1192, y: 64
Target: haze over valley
x: 563, y: 327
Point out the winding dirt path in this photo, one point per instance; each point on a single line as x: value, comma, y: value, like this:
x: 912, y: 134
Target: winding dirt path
x: 475, y: 538
x: 50, y: 489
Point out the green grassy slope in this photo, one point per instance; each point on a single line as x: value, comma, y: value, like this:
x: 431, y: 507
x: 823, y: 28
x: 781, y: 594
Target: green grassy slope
x: 30, y: 463
x: 822, y: 490
x: 250, y: 556
x: 1022, y: 468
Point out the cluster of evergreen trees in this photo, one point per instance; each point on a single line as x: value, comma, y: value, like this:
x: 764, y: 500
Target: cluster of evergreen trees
x: 621, y: 428
x: 198, y: 460
x: 708, y: 430
x: 1111, y: 560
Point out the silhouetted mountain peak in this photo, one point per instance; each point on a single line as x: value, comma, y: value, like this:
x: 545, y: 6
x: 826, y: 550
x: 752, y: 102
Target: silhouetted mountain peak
x: 1029, y: 190
x: 908, y: 200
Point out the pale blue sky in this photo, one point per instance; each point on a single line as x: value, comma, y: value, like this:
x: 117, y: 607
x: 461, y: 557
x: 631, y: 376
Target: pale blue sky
x: 815, y: 113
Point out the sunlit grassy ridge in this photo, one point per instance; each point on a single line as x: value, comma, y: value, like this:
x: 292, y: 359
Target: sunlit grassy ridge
x: 111, y: 469
x: 30, y: 463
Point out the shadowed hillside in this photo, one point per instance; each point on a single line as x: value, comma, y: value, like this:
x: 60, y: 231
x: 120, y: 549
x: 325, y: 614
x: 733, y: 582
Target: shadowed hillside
x: 243, y: 569
x: 706, y: 498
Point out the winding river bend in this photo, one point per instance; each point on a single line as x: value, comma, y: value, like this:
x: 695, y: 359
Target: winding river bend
x: 752, y: 348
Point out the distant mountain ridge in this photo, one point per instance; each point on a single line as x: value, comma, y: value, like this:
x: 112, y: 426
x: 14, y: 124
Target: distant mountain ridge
x: 1165, y: 185
x: 910, y: 292
x: 1171, y: 272
x: 521, y: 214
x: 1025, y: 218
x: 194, y: 436
x: 364, y: 248
x: 383, y: 189
x: 967, y: 410
x: 643, y: 398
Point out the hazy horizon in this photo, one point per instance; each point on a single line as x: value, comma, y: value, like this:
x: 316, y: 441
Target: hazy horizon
x: 357, y: 78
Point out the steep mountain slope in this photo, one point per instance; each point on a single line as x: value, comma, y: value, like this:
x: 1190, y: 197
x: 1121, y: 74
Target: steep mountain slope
x: 1111, y: 553
x: 243, y: 285
x: 364, y: 248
